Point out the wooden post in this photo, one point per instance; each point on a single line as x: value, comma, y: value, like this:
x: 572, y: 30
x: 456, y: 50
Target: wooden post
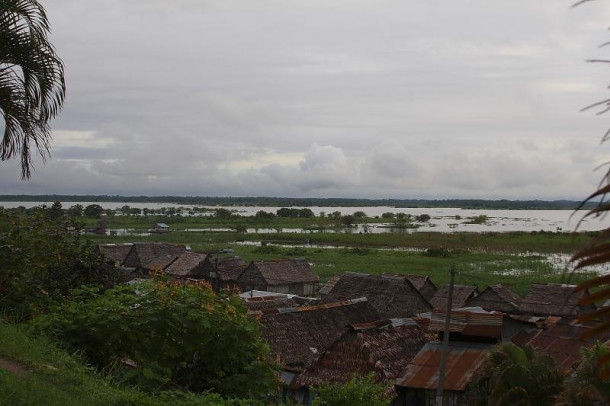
x: 441, y: 373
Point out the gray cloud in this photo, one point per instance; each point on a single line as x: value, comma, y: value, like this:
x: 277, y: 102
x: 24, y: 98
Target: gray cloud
x: 355, y: 98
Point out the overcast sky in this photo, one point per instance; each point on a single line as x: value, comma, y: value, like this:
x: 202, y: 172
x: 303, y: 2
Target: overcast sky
x: 326, y: 98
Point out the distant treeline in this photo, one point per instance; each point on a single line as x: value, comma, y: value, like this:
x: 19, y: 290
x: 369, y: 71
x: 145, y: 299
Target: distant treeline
x: 308, y: 202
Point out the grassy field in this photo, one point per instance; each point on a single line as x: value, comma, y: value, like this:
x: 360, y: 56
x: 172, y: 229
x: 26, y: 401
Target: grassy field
x: 516, y: 258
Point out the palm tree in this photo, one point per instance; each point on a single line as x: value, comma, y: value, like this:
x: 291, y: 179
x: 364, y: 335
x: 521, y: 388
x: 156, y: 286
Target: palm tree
x: 32, y: 87
x: 516, y: 376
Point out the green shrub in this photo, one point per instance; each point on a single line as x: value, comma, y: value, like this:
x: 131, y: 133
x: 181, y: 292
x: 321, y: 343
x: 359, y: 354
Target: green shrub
x: 44, y: 256
x: 358, y: 391
x: 163, y: 334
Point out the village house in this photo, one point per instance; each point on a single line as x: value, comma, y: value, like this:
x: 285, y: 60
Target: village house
x: 295, y: 276
x: 496, y: 298
x: 383, y: 348
x: 418, y: 385
x: 262, y: 300
x: 473, y: 333
x: 225, y: 272
x: 160, y: 228
x: 422, y: 283
x: 554, y: 299
x: 145, y: 257
x: 461, y: 295
x: 190, y: 265
x: 114, y: 254
x: 392, y: 297
x: 298, y: 335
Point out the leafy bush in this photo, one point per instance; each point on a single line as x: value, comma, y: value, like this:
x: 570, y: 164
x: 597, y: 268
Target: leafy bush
x: 162, y: 334
x: 358, y: 391
x: 43, y: 257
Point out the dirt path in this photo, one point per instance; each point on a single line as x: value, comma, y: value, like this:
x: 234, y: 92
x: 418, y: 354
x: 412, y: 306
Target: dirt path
x: 13, y: 367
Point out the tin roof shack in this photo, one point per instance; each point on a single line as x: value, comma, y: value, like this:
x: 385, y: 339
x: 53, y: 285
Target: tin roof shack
x: 114, y: 254
x: 144, y: 257
x: 390, y: 296
x: 418, y: 385
x: 295, y: 276
x: 497, y: 298
x: 469, y: 324
x: 472, y: 333
x: 160, y: 228
x: 561, y: 339
x: 422, y: 283
x: 553, y: 299
x: 192, y: 265
x: 384, y: 347
x: 461, y: 295
x: 225, y: 272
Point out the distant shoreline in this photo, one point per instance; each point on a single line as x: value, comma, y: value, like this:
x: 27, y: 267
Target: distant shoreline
x: 311, y: 202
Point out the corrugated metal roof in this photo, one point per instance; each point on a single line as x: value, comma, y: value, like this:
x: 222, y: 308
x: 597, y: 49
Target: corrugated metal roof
x: 463, y: 361
x: 472, y: 322
x: 561, y: 339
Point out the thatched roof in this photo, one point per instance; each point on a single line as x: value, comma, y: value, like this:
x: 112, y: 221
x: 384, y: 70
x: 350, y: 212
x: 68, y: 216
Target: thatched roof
x: 188, y: 264
x: 153, y: 255
x: 230, y: 268
x: 497, y: 298
x: 297, y: 335
x: 391, y: 297
x: 285, y: 271
x: 384, y: 348
x: 422, y: 283
x: 554, y: 299
x: 115, y: 253
x: 461, y: 295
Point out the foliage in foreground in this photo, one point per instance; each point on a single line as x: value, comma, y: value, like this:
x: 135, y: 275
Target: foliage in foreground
x: 44, y: 256
x: 52, y: 377
x: 167, y: 335
x: 517, y: 376
x: 358, y: 391
x: 586, y: 387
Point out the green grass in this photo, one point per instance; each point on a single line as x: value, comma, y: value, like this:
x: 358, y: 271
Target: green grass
x: 52, y: 377
x: 481, y: 258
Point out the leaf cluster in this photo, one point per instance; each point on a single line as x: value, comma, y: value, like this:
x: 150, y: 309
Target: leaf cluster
x: 358, y: 391
x: 163, y: 335
x: 44, y: 256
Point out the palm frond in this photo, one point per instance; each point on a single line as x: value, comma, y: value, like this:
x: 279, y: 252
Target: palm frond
x: 32, y: 86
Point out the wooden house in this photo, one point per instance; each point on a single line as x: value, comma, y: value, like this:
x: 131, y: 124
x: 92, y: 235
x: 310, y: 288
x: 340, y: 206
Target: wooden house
x: 295, y: 276
x: 225, y: 272
x: 145, y: 257
x: 191, y: 265
x: 554, y: 299
x: 160, y: 228
x: 461, y: 295
x: 422, y: 283
x: 391, y: 297
x: 496, y: 298
x: 418, y: 384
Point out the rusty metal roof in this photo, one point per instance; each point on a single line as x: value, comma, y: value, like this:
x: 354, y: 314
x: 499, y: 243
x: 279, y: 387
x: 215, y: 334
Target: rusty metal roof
x: 463, y: 361
x: 471, y: 322
x: 561, y: 339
